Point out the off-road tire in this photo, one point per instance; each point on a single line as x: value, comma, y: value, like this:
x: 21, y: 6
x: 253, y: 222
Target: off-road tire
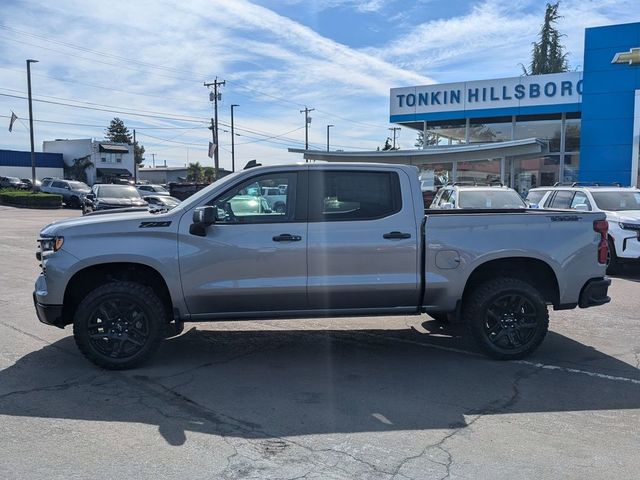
x: 93, y: 334
x: 488, y: 309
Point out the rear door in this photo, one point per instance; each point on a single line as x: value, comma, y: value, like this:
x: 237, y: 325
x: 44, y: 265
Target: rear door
x: 362, y: 240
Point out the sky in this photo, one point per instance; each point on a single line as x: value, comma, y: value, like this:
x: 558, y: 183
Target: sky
x: 145, y: 61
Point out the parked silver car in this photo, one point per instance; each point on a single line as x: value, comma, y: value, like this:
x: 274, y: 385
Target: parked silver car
x: 72, y: 191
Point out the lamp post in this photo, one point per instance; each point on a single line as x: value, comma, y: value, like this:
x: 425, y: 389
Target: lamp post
x: 328, y: 127
x: 233, y: 141
x: 33, y: 153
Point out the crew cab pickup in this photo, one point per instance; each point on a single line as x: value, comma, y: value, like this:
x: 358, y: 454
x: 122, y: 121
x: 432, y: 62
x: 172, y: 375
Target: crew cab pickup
x: 352, y: 239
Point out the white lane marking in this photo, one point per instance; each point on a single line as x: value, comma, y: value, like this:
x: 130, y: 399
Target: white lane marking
x: 604, y: 376
x: 382, y: 418
x: 542, y: 366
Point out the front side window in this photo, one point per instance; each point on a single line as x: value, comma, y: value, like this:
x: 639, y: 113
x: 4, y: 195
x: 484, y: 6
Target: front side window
x: 59, y: 185
x: 258, y: 200
x: 353, y: 195
x: 490, y: 199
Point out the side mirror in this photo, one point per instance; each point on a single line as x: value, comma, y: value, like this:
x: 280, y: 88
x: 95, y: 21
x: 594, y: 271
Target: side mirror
x: 202, y: 218
x: 204, y: 215
x: 582, y: 207
x: 447, y: 206
x: 534, y: 205
x: 90, y: 196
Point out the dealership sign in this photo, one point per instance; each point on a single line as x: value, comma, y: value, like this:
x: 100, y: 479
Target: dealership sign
x: 525, y: 91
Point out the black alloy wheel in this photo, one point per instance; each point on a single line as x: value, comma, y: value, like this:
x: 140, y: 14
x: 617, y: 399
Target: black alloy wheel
x: 508, y: 318
x: 119, y: 324
x: 613, y: 263
x: 118, y: 328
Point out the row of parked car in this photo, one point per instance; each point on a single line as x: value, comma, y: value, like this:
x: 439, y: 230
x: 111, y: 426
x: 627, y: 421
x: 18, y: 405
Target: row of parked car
x: 77, y: 194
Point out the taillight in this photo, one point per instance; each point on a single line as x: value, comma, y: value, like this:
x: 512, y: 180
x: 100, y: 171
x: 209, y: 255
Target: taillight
x: 602, y: 227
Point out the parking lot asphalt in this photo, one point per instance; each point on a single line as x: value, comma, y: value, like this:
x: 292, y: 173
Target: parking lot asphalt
x: 357, y: 398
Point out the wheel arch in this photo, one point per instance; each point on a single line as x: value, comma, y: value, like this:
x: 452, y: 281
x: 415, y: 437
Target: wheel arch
x: 88, y: 278
x: 534, y: 271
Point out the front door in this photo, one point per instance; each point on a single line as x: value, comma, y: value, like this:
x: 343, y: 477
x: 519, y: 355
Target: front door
x: 253, y: 259
x: 363, y: 241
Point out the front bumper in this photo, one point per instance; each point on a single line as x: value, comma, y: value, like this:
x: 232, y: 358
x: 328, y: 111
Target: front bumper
x: 594, y: 293
x: 49, y: 314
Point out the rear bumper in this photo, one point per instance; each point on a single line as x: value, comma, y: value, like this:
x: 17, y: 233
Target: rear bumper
x: 594, y: 293
x: 49, y: 314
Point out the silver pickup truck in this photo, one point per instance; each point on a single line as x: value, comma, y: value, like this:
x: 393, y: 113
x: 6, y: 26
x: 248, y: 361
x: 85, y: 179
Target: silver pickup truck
x: 353, y: 239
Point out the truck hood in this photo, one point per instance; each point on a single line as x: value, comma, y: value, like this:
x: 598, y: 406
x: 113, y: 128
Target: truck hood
x: 624, y: 216
x: 113, y: 222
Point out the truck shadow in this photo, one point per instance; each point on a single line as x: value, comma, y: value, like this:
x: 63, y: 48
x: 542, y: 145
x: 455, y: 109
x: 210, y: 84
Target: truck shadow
x: 282, y: 383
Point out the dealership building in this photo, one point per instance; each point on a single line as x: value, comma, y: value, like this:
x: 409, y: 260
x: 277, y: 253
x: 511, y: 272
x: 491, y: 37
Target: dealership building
x: 527, y: 131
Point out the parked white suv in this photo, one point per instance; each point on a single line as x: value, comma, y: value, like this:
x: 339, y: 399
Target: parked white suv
x: 482, y: 197
x: 621, y: 205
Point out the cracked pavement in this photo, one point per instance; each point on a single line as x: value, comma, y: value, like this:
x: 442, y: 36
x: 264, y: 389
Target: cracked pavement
x: 355, y: 398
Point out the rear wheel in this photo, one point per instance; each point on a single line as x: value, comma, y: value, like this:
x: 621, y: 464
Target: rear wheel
x: 119, y: 325
x: 507, y: 317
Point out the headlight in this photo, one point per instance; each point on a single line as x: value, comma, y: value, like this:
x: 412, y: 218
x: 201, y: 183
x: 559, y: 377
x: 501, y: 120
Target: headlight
x: 51, y: 244
x: 629, y: 226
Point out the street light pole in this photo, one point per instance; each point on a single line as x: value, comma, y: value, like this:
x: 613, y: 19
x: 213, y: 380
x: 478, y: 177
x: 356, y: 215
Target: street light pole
x: 328, y: 127
x: 233, y: 141
x: 33, y: 152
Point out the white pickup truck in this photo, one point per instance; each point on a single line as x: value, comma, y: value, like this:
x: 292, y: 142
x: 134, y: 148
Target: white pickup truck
x: 352, y: 240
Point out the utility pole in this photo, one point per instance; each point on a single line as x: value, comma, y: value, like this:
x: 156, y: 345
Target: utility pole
x: 307, y: 121
x: 233, y: 141
x: 328, y: 127
x: 215, y: 96
x: 394, y: 135
x: 135, y: 163
x: 33, y: 151
x: 154, y: 159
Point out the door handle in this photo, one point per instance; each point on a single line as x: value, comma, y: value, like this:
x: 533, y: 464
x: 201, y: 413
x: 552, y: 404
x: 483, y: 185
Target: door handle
x: 396, y: 235
x: 287, y: 237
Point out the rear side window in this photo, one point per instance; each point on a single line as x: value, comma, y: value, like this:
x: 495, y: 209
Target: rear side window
x: 353, y: 195
x: 562, y: 199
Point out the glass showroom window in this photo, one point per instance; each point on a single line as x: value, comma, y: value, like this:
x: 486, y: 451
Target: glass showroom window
x: 545, y: 129
x: 535, y: 172
x: 449, y: 133
x: 480, y: 171
x: 490, y: 130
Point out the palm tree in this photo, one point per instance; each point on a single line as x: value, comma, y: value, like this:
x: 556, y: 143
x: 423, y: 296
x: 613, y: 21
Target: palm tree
x: 194, y: 172
x: 78, y: 171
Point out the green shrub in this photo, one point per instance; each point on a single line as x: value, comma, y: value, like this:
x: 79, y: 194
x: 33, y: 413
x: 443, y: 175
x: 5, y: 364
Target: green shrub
x: 24, y: 198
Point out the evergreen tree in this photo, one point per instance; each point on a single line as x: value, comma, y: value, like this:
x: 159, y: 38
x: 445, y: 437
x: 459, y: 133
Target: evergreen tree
x: 117, y: 132
x: 548, y: 54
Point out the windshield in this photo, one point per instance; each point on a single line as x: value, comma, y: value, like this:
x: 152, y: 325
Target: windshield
x: 79, y: 186
x: 118, y: 191
x: 490, y: 199
x: 617, y: 201
x: 535, y: 197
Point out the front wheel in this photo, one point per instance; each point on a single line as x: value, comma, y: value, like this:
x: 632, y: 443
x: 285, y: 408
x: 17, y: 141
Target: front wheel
x: 507, y: 317
x: 119, y: 325
x: 613, y: 262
